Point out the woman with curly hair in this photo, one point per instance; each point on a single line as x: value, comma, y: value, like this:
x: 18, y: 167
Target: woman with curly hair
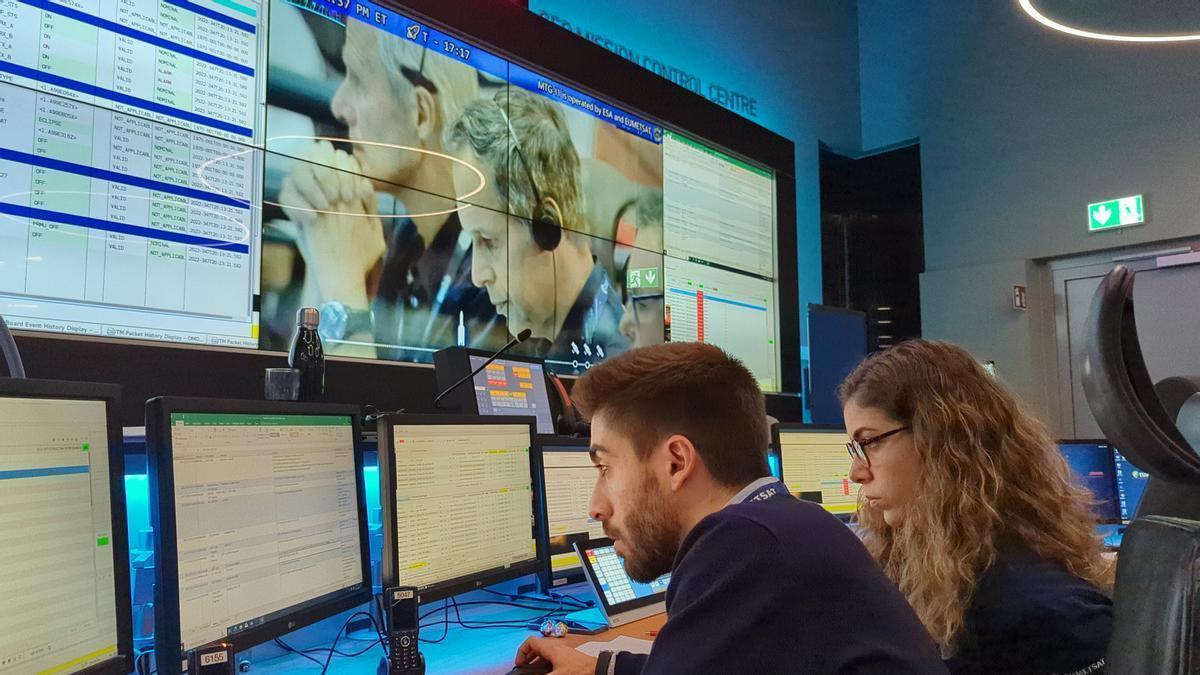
x: 971, y: 510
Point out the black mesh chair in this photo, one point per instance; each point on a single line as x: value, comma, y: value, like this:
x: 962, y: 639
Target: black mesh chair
x: 1155, y: 628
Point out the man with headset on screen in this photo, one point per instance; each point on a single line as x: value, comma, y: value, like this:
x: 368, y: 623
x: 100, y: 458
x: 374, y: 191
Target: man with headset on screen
x: 528, y: 249
x: 761, y: 582
x: 394, y: 93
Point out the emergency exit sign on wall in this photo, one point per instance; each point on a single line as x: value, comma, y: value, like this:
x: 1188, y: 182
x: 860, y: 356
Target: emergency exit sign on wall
x: 1121, y: 212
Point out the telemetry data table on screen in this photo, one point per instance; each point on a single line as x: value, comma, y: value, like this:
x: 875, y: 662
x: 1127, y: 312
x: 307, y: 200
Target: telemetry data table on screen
x: 106, y: 227
x: 266, y: 514
x: 717, y: 208
x: 58, y: 608
x: 735, y: 312
x: 570, y: 480
x: 469, y: 482
x: 190, y: 63
x: 817, y: 463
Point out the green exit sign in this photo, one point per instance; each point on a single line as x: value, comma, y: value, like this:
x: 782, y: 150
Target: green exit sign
x: 1121, y: 212
x: 647, y: 277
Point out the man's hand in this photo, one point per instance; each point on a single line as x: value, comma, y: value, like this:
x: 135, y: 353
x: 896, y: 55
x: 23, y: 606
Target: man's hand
x: 321, y: 179
x: 565, y: 659
x: 342, y: 245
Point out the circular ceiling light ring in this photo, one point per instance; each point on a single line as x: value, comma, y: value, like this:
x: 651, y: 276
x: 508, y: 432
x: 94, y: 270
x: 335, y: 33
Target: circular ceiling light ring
x: 1036, y: 15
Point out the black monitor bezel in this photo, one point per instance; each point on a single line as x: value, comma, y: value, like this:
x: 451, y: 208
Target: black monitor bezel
x: 454, y: 363
x: 1112, y: 461
x: 593, y: 580
x: 550, y: 578
x: 110, y: 394
x: 390, y: 562
x: 167, y: 630
x: 814, y: 428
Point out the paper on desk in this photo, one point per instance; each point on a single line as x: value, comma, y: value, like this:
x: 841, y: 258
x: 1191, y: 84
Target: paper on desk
x: 622, y: 643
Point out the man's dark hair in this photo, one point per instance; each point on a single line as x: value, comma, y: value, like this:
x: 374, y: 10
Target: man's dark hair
x: 687, y: 388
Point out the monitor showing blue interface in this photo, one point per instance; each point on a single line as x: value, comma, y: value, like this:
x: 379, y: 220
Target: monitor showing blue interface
x: 1131, y: 482
x: 1092, y: 465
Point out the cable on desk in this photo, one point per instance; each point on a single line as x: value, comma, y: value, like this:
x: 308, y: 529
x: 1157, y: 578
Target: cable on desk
x: 142, y: 667
x: 445, y: 608
x: 553, y: 597
x: 306, y: 652
x: 338, y: 636
x: 288, y: 648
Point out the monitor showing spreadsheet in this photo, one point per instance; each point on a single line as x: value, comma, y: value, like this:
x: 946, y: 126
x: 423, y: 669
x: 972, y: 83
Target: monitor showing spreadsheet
x: 1093, y: 466
x: 65, y: 604
x: 816, y: 467
x: 570, y: 478
x: 461, y: 501
x: 260, y: 518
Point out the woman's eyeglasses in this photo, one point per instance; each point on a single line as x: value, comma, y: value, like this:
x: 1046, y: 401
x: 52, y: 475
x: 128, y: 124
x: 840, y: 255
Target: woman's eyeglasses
x: 858, y: 449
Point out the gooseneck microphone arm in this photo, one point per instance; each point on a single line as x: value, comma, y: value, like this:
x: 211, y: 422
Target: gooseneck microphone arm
x: 521, y: 337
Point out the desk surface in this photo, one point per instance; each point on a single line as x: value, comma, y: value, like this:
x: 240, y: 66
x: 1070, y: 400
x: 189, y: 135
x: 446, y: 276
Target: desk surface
x: 465, y: 651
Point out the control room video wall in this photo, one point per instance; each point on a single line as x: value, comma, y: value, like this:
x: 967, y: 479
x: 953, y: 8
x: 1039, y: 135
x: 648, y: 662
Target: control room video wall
x: 194, y: 171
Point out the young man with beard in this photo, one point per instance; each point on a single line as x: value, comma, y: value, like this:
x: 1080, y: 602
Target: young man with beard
x: 761, y: 582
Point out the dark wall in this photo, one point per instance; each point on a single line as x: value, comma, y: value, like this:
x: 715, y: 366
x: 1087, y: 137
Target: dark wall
x: 872, y: 240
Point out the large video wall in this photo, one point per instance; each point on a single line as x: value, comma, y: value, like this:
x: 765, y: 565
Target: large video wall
x: 195, y: 171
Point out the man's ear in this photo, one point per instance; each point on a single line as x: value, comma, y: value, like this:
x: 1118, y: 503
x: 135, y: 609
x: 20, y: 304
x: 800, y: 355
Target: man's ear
x: 682, y: 461
x: 427, y: 115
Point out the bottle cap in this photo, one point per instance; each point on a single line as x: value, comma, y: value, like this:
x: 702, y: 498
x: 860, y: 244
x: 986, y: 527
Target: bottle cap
x: 308, y: 317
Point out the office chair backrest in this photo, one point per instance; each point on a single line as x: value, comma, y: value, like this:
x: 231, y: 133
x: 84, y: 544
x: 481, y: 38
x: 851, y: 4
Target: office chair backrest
x: 1155, y: 598
x: 1155, y: 625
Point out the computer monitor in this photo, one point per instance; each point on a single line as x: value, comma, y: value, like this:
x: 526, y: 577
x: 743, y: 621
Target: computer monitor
x: 65, y: 560
x: 259, y: 517
x: 774, y: 462
x: 510, y: 385
x: 1093, y: 466
x: 462, y: 501
x: 816, y: 467
x: 622, y: 599
x: 570, y: 478
x: 1131, y: 482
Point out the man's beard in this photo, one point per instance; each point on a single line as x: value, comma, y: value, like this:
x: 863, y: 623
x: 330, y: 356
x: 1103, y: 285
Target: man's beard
x: 651, y: 535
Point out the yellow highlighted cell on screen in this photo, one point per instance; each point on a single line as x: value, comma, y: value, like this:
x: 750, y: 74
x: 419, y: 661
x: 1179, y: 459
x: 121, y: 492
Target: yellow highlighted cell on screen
x: 417, y: 565
x: 563, y: 561
x: 110, y: 650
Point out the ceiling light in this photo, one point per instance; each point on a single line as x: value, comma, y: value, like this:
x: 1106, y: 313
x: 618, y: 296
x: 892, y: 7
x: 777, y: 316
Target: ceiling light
x: 1033, y: 12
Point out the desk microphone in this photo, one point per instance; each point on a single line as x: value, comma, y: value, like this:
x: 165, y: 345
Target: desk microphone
x: 521, y: 337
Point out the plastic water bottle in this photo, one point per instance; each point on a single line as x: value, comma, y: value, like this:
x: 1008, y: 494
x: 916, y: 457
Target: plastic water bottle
x: 308, y: 356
